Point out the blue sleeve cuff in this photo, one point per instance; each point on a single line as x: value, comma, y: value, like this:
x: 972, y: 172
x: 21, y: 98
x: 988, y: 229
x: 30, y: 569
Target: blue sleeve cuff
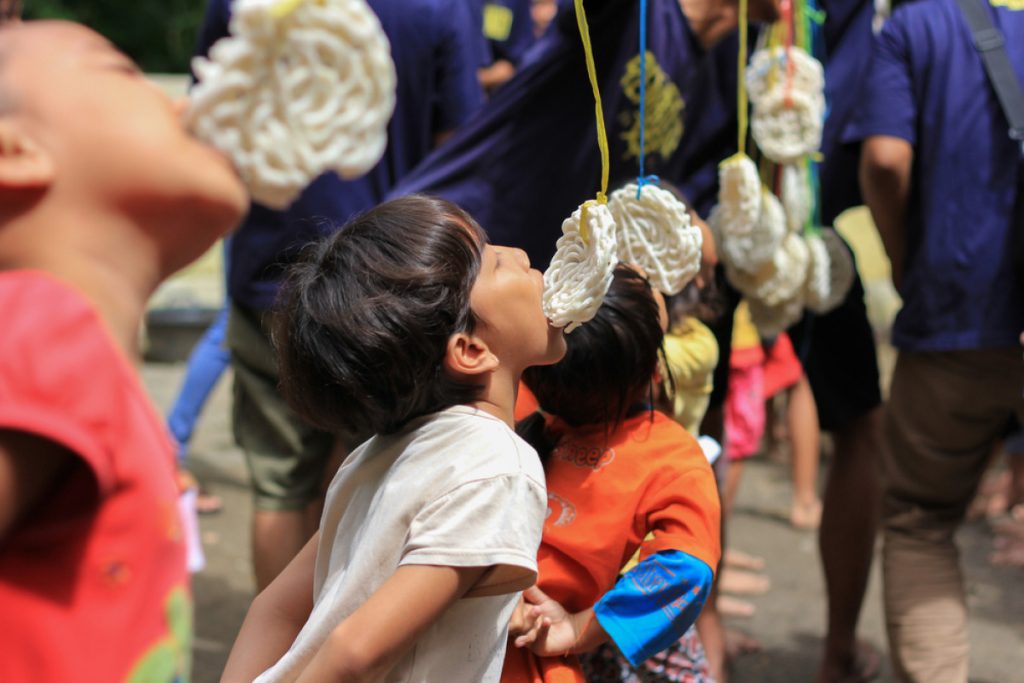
x: 654, y: 603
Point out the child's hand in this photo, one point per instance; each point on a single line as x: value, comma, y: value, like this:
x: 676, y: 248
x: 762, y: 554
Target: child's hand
x: 523, y: 627
x: 559, y: 631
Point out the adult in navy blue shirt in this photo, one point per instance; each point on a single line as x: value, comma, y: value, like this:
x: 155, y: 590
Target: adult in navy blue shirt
x: 433, y: 44
x: 940, y: 175
x: 506, y: 33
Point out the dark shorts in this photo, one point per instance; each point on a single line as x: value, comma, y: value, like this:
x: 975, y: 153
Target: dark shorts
x: 837, y: 351
x: 287, y: 458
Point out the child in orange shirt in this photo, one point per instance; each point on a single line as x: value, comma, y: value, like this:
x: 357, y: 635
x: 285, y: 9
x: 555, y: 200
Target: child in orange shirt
x: 617, y: 471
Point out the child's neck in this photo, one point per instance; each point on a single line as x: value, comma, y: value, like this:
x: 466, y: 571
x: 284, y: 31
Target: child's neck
x: 499, y: 395
x: 115, y: 266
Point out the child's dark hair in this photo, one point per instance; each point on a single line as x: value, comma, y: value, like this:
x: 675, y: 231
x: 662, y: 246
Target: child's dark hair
x: 363, y: 320
x: 610, y: 361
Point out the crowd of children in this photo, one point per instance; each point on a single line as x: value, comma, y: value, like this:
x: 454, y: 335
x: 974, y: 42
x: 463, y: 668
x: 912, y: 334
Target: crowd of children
x: 523, y: 505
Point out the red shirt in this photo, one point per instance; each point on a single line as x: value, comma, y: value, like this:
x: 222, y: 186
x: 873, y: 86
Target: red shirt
x: 606, y: 494
x: 93, y: 584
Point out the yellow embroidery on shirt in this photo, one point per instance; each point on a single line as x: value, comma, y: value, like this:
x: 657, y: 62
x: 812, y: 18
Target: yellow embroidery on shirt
x: 497, y: 22
x: 1014, y: 5
x: 664, y: 105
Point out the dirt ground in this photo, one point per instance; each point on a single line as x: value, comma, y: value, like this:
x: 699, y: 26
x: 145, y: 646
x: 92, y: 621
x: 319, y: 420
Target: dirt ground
x: 789, y: 620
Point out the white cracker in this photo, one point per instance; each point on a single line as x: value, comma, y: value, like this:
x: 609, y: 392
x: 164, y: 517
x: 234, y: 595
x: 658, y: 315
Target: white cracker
x: 769, y: 68
x: 788, y: 125
x: 581, y: 270
x: 290, y: 97
x: 779, y: 280
x: 749, y: 250
x: 655, y: 232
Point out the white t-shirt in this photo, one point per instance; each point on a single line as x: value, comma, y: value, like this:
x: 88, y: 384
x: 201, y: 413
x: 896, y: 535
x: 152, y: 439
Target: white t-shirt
x: 457, y: 488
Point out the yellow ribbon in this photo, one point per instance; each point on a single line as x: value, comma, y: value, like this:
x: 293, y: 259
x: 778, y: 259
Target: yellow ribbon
x: 741, y: 77
x: 584, y: 230
x: 602, y: 134
x: 282, y: 8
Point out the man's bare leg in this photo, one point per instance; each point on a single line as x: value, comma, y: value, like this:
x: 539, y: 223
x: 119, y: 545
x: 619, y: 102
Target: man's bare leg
x: 849, y: 523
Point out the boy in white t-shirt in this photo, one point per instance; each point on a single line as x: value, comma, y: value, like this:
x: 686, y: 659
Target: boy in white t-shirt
x: 407, y: 325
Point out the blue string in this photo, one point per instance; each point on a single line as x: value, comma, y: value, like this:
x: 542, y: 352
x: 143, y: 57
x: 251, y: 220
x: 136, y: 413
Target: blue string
x: 643, y: 179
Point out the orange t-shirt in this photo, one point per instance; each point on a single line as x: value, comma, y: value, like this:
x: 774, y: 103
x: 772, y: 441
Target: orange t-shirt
x: 606, y: 494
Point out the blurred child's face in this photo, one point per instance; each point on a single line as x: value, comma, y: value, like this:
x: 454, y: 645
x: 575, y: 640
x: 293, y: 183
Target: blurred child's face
x: 114, y: 138
x: 506, y: 300
x: 764, y: 10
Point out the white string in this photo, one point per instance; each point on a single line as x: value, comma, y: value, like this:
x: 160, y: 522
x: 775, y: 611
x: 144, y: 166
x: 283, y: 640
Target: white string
x: 291, y: 96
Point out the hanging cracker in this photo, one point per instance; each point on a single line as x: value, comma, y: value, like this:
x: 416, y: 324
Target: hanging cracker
x: 770, y: 68
x: 788, y: 126
x: 745, y: 247
x: 797, y: 199
x: 581, y: 270
x: 655, y: 232
x: 739, y: 192
x: 841, y: 272
x: 299, y: 88
x: 772, y: 321
x: 818, y: 288
x: 779, y: 280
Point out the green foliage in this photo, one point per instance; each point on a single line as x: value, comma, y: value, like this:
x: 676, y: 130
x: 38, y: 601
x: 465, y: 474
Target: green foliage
x: 158, y: 34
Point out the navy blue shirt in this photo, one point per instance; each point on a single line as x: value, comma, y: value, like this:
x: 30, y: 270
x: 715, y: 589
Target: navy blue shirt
x: 506, y: 28
x: 847, y: 38
x: 531, y: 156
x: 433, y: 44
x: 927, y: 85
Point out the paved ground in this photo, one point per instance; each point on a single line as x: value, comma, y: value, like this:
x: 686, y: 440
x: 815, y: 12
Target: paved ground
x: 789, y: 619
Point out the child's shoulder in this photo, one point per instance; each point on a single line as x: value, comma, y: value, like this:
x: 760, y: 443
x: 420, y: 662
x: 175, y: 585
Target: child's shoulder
x: 26, y: 291
x: 662, y: 439
x: 475, y: 443
x: 62, y: 377
x: 43, y: 315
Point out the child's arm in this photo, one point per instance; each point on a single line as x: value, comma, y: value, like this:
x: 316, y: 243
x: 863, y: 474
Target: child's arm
x: 561, y: 632
x: 274, y: 619
x: 654, y: 603
x: 366, y: 645
x: 29, y: 465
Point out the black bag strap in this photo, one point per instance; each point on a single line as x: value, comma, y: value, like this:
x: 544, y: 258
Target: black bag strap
x: 991, y: 45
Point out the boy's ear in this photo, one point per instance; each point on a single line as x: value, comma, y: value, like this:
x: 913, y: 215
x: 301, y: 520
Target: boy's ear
x: 24, y: 165
x: 468, y: 354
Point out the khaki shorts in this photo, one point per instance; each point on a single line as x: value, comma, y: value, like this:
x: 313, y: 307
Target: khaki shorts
x: 286, y: 457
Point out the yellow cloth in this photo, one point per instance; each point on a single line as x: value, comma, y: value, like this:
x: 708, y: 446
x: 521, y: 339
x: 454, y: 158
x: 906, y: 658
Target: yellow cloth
x: 692, y: 354
x: 744, y: 333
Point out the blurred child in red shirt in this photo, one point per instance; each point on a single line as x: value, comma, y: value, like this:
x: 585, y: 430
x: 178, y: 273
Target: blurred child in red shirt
x: 103, y: 194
